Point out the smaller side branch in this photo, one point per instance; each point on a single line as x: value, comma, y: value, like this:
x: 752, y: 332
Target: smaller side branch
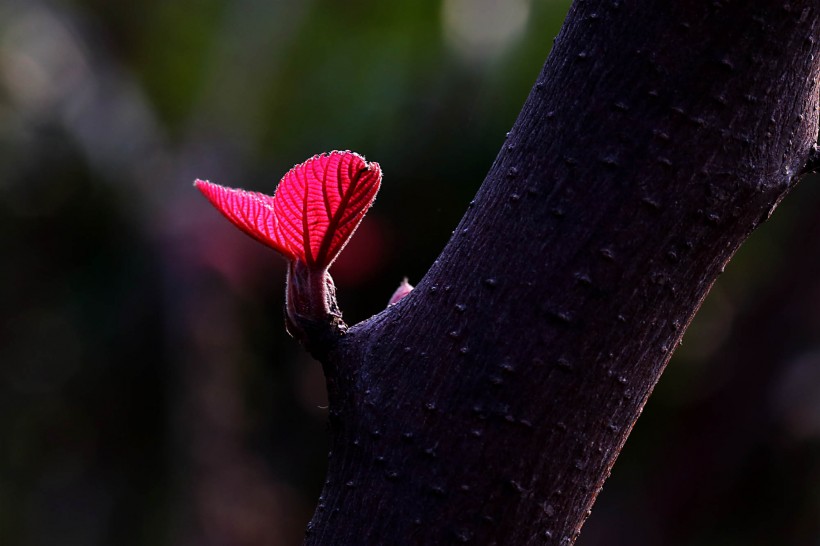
x: 311, y: 313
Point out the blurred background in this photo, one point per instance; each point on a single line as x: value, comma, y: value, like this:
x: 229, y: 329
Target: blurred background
x: 148, y: 391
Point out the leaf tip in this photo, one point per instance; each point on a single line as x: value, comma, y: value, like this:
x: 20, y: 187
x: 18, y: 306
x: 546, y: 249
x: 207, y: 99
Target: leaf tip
x: 205, y: 187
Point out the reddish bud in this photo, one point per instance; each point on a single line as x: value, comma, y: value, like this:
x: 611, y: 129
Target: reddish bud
x: 403, y: 289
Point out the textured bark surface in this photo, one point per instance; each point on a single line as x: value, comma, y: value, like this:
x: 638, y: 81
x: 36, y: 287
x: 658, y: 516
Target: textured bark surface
x: 489, y: 405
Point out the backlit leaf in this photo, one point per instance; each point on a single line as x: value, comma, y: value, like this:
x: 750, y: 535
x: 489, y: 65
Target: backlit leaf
x: 314, y: 211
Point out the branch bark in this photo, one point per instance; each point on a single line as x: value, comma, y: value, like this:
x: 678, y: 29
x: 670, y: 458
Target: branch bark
x: 489, y: 405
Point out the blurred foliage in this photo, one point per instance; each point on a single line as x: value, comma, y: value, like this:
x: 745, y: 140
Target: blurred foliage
x: 148, y: 391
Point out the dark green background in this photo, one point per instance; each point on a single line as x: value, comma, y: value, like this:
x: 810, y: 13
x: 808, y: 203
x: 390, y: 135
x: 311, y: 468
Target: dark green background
x: 148, y: 391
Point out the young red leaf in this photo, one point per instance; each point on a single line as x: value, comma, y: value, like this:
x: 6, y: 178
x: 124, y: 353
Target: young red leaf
x: 314, y: 211
x: 251, y: 212
x: 322, y: 201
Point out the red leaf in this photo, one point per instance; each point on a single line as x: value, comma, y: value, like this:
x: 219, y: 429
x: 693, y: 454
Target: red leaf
x: 314, y: 211
x: 251, y: 212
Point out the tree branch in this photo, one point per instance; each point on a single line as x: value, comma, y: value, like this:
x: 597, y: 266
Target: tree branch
x: 489, y: 405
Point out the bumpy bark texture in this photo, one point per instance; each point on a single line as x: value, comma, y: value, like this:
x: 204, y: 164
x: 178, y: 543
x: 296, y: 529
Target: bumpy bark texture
x: 489, y: 405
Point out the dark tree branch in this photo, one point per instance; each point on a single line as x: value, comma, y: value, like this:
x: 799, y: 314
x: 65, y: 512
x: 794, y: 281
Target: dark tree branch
x: 739, y: 427
x: 489, y: 405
